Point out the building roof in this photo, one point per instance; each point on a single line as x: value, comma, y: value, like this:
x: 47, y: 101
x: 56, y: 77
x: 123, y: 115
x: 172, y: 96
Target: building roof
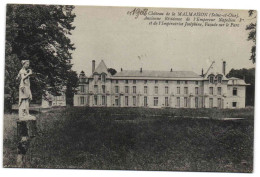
x: 214, y: 70
x: 101, y: 68
x: 158, y: 74
x: 236, y: 81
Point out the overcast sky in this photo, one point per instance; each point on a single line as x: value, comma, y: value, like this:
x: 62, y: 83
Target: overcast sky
x: 108, y: 33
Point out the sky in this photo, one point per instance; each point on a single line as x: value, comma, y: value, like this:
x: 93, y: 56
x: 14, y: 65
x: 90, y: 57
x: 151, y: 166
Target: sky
x: 109, y: 34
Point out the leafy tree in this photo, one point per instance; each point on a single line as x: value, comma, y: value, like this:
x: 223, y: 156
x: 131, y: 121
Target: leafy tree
x: 252, y: 35
x: 249, y: 76
x: 39, y: 33
x: 112, y: 71
x: 71, y: 87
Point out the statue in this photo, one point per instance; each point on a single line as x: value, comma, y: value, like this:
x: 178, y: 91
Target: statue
x: 26, y: 124
x: 25, y: 95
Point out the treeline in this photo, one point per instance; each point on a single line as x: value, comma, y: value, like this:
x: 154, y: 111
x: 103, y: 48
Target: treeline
x: 249, y: 76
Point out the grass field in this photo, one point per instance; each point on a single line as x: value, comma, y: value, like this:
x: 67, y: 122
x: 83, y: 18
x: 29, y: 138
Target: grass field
x: 137, y: 139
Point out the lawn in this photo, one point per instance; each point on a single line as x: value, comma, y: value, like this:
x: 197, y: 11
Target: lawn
x: 137, y: 139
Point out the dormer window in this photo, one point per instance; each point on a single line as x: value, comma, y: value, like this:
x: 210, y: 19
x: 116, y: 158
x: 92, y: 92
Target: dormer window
x: 103, y: 78
x: 211, y: 79
x: 96, y: 78
x: 219, y: 78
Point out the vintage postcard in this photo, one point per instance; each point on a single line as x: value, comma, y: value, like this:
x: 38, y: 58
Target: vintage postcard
x: 129, y: 88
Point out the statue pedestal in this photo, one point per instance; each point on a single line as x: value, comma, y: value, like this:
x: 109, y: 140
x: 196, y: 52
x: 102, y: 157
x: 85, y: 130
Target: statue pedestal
x: 26, y: 130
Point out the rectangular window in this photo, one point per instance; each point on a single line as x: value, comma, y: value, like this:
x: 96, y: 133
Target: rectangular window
x: 211, y: 90
x: 156, y: 81
x: 82, y: 88
x: 155, y: 101
x: 219, y: 103
x: 178, y: 82
x: 116, y: 81
x: 145, y: 101
x: 156, y: 89
x: 185, y: 102
x: 197, y: 82
x: 219, y: 79
x: 103, y: 100
x: 145, y: 89
x: 196, y: 90
x: 219, y: 90
x: 196, y: 102
x: 126, y: 81
x: 186, y: 82
x: 134, y: 89
x: 234, y: 104
x: 134, y: 81
x: 126, y: 89
x: 145, y: 81
x: 117, y: 102
x: 103, y: 78
x: 185, y: 90
x: 126, y: 100
x: 82, y: 100
x: 166, y: 81
x: 211, y: 79
x: 166, y: 101
x: 95, y: 100
x: 178, y: 90
x: 178, y: 102
x: 166, y: 90
x: 103, y: 89
x: 211, y: 102
x: 116, y: 89
x: 234, y: 91
x: 134, y: 100
x: 95, y: 88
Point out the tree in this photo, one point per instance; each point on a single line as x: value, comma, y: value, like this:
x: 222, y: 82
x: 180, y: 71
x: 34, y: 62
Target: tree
x: 39, y: 33
x: 112, y: 71
x: 71, y: 87
x: 249, y: 76
x: 252, y: 35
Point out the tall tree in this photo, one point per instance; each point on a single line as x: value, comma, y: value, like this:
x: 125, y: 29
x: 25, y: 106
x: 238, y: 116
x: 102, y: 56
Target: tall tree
x: 39, y: 33
x: 252, y: 35
x: 71, y: 87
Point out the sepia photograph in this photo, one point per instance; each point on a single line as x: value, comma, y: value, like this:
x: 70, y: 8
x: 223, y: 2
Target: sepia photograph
x: 129, y: 88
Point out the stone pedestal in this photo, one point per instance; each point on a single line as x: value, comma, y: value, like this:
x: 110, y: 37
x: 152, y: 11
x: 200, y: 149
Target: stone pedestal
x: 26, y: 130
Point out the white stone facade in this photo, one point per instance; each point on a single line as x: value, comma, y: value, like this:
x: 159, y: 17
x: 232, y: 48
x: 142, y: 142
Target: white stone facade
x: 53, y: 101
x: 158, y: 89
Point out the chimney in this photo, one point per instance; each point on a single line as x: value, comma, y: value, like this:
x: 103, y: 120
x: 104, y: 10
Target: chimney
x: 224, y: 68
x: 202, y: 72
x: 141, y: 69
x: 93, y: 66
x: 171, y: 69
x: 121, y: 69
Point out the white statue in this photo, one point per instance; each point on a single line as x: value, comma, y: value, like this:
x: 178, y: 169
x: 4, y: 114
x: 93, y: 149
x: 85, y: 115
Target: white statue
x: 25, y: 95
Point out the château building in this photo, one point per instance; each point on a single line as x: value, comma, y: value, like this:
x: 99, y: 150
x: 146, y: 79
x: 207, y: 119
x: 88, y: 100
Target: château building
x: 158, y: 89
